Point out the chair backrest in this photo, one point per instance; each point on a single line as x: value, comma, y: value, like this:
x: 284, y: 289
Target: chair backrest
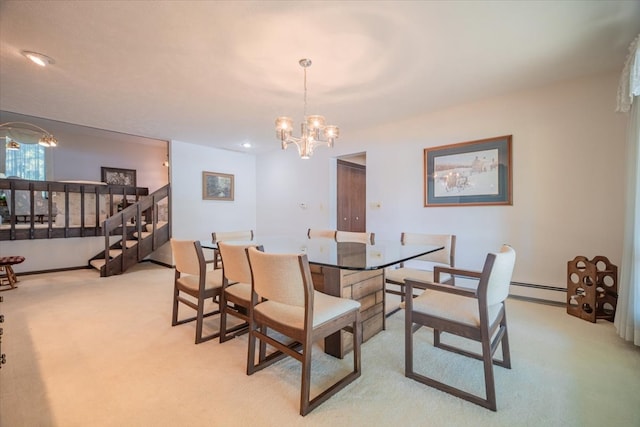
x: 318, y: 233
x: 496, y: 275
x: 243, y: 235
x: 235, y: 265
x: 352, y: 236
x: 445, y: 256
x: 188, y: 256
x: 284, y: 278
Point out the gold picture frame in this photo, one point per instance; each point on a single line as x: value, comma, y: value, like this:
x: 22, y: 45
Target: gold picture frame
x: 217, y: 186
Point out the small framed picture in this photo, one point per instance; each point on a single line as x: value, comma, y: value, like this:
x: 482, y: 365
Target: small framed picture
x: 115, y: 176
x: 217, y: 186
x: 471, y: 173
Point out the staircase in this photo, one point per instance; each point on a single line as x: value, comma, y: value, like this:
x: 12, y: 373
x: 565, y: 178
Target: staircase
x: 140, y: 230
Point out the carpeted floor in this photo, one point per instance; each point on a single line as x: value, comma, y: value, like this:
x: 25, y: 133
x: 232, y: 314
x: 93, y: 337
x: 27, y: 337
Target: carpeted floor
x: 86, y: 351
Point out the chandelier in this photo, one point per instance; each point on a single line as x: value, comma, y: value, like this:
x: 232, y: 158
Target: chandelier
x: 17, y: 133
x: 314, y: 131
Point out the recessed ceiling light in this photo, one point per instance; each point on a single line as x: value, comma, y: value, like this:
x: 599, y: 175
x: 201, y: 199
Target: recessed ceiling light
x: 246, y: 144
x: 38, y: 58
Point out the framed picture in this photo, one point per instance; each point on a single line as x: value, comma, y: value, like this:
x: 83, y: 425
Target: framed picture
x: 471, y: 173
x: 217, y: 186
x: 115, y: 176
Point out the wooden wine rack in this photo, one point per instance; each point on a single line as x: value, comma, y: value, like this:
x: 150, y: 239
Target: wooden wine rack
x: 592, y: 288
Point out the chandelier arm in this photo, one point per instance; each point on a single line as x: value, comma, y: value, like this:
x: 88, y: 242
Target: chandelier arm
x: 9, y: 124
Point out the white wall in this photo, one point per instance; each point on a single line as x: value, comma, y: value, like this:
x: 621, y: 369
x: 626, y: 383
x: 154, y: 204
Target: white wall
x: 568, y: 179
x: 286, y: 182
x: 195, y: 218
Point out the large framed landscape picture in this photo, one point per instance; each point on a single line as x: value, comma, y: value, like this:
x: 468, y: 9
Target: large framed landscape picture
x: 470, y: 173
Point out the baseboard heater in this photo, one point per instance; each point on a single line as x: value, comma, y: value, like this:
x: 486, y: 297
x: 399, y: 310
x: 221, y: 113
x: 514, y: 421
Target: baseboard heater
x: 543, y: 294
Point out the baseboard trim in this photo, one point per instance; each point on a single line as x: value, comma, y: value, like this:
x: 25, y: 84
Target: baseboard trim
x: 164, y: 264
x: 533, y: 285
x: 543, y: 294
x: 81, y: 267
x: 53, y: 270
x: 538, y: 300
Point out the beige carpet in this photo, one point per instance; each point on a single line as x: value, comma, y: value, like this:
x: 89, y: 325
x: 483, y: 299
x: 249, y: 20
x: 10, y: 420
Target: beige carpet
x: 85, y: 351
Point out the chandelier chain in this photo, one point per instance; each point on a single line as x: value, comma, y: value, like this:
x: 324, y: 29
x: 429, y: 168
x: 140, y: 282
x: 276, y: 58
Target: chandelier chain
x: 305, y: 93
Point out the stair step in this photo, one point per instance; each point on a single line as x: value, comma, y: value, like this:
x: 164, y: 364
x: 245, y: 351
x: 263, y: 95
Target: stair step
x: 131, y: 243
x: 143, y: 235
x: 114, y: 253
x: 97, y: 263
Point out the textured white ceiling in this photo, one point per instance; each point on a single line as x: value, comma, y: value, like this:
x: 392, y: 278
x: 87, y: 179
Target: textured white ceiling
x: 218, y: 73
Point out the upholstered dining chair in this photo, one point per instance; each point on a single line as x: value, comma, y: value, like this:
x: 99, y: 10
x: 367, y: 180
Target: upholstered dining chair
x: 315, y: 233
x: 476, y: 314
x: 283, y: 300
x: 219, y: 236
x: 236, y: 287
x: 356, y: 237
x: 421, y: 268
x: 193, y: 282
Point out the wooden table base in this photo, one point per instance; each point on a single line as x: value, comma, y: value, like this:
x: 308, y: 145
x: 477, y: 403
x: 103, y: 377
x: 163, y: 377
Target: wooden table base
x: 366, y: 287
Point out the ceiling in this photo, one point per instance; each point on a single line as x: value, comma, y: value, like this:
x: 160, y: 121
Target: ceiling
x: 217, y: 73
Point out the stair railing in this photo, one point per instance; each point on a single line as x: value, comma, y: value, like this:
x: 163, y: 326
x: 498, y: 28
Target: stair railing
x: 132, y: 219
x: 39, y: 205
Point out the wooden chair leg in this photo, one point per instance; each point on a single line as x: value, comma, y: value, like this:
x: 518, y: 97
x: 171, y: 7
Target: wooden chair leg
x: 174, y: 316
x: 506, y: 354
x: 408, y: 344
x: 305, y: 380
x: 199, y: 321
x: 251, y: 356
x: 262, y: 352
x: 223, y: 319
x: 489, y: 383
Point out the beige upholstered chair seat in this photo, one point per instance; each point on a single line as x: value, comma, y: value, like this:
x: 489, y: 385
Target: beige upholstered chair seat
x: 214, y: 280
x: 240, y: 291
x: 325, y: 307
x: 403, y: 273
x: 452, y: 307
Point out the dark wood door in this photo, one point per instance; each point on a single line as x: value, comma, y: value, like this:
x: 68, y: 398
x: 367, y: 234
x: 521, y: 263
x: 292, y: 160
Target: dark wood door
x: 352, y: 196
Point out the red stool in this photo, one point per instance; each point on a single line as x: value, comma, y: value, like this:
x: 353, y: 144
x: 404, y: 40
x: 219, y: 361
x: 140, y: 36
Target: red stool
x: 9, y: 277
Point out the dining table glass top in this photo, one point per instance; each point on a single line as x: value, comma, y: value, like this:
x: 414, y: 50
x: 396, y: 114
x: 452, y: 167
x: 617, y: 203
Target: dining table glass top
x: 345, y: 255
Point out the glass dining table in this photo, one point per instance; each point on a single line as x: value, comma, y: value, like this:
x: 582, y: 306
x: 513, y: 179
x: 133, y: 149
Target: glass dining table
x: 348, y: 270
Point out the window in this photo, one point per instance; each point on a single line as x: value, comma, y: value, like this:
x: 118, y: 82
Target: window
x: 29, y: 162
